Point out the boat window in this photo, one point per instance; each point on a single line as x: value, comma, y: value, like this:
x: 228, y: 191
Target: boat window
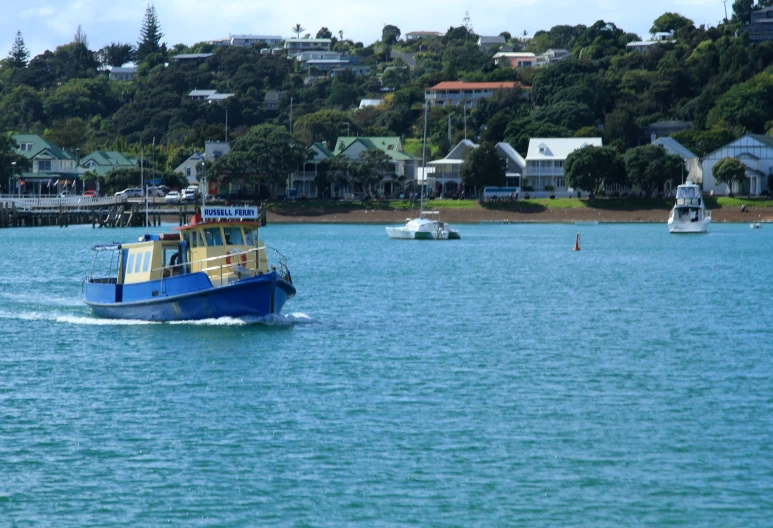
x: 213, y: 236
x: 233, y: 236
x: 251, y: 236
x: 138, y: 265
x: 130, y: 266
x: 146, y: 264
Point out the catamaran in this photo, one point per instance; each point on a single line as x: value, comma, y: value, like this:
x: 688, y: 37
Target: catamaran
x: 423, y: 228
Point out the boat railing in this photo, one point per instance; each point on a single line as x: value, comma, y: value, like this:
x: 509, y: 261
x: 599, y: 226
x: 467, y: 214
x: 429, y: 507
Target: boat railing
x: 234, y: 264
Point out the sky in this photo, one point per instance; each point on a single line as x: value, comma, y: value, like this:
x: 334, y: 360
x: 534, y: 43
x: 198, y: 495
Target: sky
x: 46, y: 24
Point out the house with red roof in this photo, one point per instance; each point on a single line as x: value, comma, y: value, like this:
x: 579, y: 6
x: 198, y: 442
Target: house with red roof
x: 467, y: 93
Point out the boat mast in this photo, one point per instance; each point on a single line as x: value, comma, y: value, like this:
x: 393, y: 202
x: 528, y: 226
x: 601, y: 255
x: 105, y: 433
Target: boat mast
x: 423, y: 161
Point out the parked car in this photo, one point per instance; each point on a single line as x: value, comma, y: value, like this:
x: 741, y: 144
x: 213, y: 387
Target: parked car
x: 190, y: 194
x: 64, y: 194
x: 90, y: 194
x: 172, y: 197
x: 131, y: 192
x: 159, y: 192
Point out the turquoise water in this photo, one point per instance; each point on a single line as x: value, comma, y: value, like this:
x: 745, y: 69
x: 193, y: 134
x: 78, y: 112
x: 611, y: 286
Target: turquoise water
x: 498, y: 380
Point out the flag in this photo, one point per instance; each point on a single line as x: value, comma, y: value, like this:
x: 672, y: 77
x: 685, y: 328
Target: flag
x: 49, y: 183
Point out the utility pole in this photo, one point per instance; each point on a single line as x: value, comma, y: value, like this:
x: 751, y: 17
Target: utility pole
x: 464, y: 105
x: 725, y: 2
x: 291, y: 115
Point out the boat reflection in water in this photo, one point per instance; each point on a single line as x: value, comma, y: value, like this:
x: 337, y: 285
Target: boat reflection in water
x: 213, y: 267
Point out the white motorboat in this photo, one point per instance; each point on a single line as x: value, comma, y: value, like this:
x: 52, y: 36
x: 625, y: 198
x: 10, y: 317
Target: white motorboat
x: 689, y: 214
x: 423, y: 228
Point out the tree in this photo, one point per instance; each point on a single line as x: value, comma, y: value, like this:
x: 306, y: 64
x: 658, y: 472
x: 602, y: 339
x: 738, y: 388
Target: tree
x: 297, y: 29
x: 592, y: 168
x: 325, y: 125
x: 670, y: 22
x: 742, y: 11
x: 150, y: 35
x: 116, y: 54
x: 324, y: 33
x: 482, y: 166
x: 649, y: 167
x: 67, y: 133
x: 19, y: 53
x: 11, y: 163
x: 80, y: 37
x: 729, y: 170
x: 390, y: 35
x: 368, y: 170
x: 266, y: 153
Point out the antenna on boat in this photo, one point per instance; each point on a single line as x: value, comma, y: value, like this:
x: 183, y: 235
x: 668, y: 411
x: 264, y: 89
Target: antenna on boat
x: 424, y: 160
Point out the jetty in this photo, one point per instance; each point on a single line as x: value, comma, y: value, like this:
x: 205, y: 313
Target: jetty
x: 111, y: 211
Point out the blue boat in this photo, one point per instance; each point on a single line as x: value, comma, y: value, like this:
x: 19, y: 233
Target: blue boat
x: 213, y: 267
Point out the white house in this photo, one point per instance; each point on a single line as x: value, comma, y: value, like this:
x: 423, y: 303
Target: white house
x: 394, y: 181
x: 249, y: 40
x: 552, y: 56
x: 545, y: 162
x: 122, y: 73
x: 491, y: 43
x: 693, y: 172
x: 445, y: 173
x: 643, y: 45
x: 302, y: 183
x: 756, y: 151
x: 190, y: 167
x: 298, y: 45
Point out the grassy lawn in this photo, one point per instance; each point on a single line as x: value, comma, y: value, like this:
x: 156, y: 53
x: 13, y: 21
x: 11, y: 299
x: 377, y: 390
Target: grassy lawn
x: 725, y: 202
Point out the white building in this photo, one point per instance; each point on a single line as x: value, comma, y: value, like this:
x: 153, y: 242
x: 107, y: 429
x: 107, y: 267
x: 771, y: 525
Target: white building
x: 643, y: 45
x: 445, y: 174
x: 190, y: 167
x: 693, y: 172
x: 552, y: 56
x: 122, y: 73
x: 755, y: 151
x: 249, y: 40
x: 545, y: 162
x: 298, y: 45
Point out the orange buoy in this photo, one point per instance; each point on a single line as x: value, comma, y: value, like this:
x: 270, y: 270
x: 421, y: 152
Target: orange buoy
x: 577, y: 243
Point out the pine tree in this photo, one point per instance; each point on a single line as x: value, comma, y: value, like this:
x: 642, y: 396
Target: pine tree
x: 150, y: 34
x: 19, y: 53
x: 80, y: 37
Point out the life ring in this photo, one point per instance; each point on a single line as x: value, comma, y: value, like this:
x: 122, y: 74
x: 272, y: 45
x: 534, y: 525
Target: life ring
x: 237, y: 260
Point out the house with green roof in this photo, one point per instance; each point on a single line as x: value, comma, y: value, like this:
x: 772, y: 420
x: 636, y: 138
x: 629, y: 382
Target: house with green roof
x: 404, y: 165
x: 52, y: 169
x: 101, y: 162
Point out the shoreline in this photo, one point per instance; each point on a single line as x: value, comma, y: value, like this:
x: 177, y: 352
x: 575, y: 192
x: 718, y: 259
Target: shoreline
x: 481, y: 215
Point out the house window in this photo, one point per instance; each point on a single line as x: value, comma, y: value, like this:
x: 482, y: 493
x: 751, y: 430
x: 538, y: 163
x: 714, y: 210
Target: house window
x: 187, y: 172
x: 25, y: 147
x: 559, y: 164
x: 44, y: 165
x: 560, y: 182
x: 390, y: 147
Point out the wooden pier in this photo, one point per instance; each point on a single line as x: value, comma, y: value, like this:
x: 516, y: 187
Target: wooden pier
x: 99, y: 213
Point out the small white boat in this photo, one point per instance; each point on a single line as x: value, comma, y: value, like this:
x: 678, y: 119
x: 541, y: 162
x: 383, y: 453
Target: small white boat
x: 755, y: 225
x: 423, y: 229
x: 689, y: 214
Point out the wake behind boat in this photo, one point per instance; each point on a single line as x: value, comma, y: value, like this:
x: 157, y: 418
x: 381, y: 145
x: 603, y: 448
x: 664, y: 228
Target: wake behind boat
x: 214, y: 267
x: 689, y: 214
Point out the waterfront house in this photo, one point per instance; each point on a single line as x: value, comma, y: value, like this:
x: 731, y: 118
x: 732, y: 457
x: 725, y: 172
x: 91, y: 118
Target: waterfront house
x: 643, y: 45
x: 444, y: 175
x: 52, y: 169
x: 190, y: 167
x: 545, y: 163
x: 755, y: 151
x: 394, y: 181
x: 693, y: 172
x: 302, y: 183
x: 101, y: 162
x: 460, y: 92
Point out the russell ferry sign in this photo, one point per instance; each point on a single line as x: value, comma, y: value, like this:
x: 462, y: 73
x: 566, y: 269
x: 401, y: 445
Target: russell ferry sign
x: 245, y: 212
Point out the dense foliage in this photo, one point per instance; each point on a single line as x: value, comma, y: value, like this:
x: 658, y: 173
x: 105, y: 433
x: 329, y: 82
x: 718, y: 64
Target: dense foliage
x: 712, y: 76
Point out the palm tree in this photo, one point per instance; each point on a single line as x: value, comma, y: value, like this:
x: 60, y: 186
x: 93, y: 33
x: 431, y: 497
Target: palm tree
x: 297, y: 29
x: 341, y: 34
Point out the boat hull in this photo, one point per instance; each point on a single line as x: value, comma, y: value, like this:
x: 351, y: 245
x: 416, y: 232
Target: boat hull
x: 688, y: 227
x: 401, y: 233
x: 253, y: 297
